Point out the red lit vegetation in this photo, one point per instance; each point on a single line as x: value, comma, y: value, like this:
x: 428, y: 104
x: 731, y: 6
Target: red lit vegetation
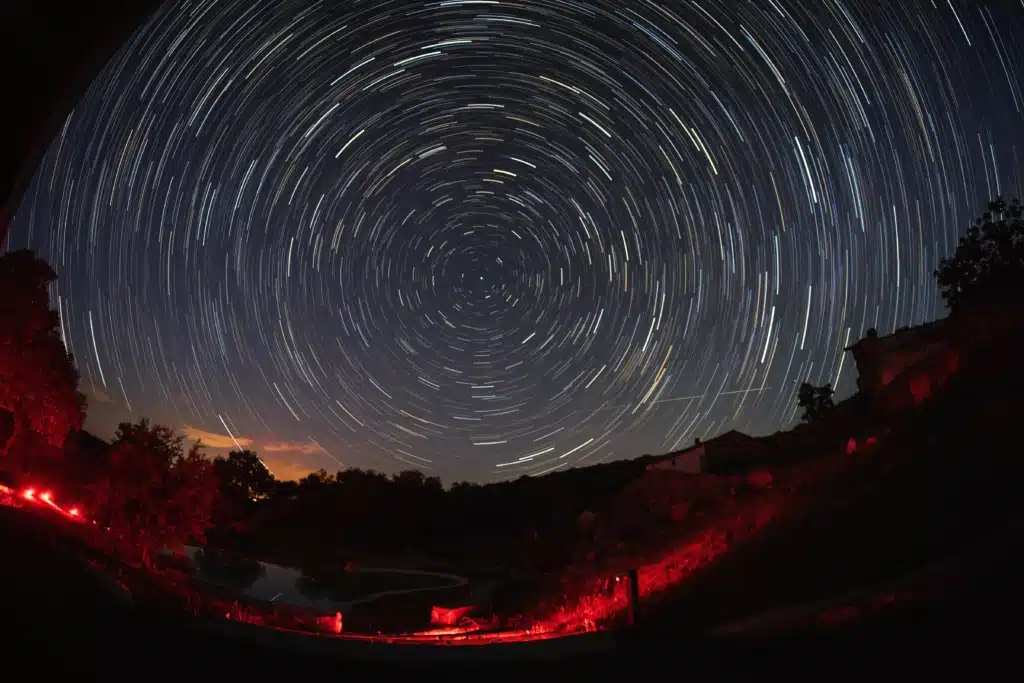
x: 822, y: 521
x: 155, y: 494
x: 39, y: 399
x: 909, y: 470
x: 931, y: 470
x: 944, y: 473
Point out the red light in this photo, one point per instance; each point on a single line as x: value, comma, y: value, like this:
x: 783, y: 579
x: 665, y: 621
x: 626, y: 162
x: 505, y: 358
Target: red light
x: 46, y: 497
x: 73, y: 512
x: 444, y: 616
x: 29, y: 493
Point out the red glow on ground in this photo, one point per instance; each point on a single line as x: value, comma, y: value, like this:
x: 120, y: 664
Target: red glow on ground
x: 599, y: 600
x: 46, y: 498
x: 334, y: 624
x: 598, y: 605
x: 592, y: 603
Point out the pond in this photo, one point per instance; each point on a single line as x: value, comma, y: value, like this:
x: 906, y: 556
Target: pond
x: 336, y: 591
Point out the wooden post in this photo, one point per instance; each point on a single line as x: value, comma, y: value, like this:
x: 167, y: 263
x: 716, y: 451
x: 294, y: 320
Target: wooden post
x: 634, y: 596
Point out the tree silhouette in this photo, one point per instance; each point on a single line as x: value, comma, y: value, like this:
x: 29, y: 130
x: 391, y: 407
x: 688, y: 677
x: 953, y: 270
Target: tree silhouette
x: 243, y: 473
x: 989, y: 260
x: 38, y: 379
x: 242, y: 481
x: 155, y: 495
x: 329, y: 519
x: 814, y: 400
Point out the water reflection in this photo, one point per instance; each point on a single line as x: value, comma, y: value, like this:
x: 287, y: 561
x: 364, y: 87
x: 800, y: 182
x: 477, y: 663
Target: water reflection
x: 260, y: 580
x: 226, y: 569
x: 313, y: 589
x: 323, y: 590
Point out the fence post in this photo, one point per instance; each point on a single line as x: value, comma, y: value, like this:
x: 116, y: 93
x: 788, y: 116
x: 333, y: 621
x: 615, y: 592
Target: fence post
x: 634, y: 596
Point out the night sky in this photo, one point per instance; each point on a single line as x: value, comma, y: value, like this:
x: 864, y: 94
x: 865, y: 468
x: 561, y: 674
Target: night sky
x: 488, y: 239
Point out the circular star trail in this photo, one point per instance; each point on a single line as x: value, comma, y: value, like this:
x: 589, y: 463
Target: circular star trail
x: 489, y: 238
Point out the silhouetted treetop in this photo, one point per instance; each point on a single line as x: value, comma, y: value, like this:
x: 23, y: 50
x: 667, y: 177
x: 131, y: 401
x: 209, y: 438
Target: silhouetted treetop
x: 988, y: 263
x: 814, y: 400
x: 155, y: 494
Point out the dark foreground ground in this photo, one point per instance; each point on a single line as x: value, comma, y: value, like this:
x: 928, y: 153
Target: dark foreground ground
x: 59, y: 618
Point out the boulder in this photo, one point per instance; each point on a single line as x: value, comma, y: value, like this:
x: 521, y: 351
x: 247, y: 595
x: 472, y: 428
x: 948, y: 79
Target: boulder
x: 450, y: 616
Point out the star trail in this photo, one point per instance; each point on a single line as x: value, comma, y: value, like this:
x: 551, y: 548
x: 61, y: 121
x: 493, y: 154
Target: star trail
x: 487, y: 238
